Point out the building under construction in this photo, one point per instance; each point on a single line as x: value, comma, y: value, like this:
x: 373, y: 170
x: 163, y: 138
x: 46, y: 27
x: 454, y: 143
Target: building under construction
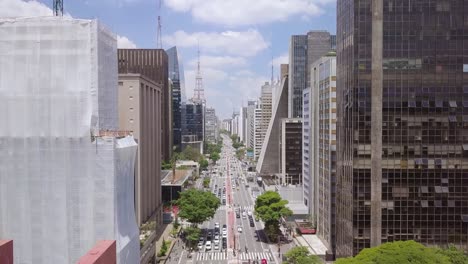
x: 66, y: 175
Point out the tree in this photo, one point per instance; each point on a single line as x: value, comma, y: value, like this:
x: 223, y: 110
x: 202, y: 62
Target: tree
x: 192, y: 234
x: 301, y: 255
x: 190, y: 153
x: 270, y: 208
x: 197, y: 206
x: 240, y: 153
x: 234, y: 138
x: 403, y: 252
x: 206, y: 182
x: 215, y: 157
x: 203, y: 163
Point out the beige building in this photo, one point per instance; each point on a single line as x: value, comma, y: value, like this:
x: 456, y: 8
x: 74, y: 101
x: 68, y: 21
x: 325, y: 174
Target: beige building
x: 140, y: 112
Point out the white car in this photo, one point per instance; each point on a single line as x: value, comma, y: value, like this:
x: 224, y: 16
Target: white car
x: 216, y: 239
x: 239, y: 229
x: 216, y: 246
x: 208, y: 245
x: 244, y: 215
x: 249, y: 213
x: 216, y: 225
x: 200, y: 245
x: 224, y: 233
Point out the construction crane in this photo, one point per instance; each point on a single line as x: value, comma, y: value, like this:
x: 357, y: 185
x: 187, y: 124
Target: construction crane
x: 58, y: 7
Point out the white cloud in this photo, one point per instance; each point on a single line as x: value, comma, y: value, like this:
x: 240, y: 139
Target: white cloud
x: 242, y: 43
x: 282, y: 59
x: 124, y: 43
x: 247, y: 12
x: 218, y: 62
x: 19, y: 8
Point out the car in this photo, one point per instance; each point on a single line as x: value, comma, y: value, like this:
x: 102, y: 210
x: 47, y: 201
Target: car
x: 216, y: 246
x: 224, y: 227
x: 264, y: 261
x: 239, y: 229
x: 252, y: 224
x: 237, y: 215
x: 208, y: 246
x: 201, y: 240
x: 216, y: 225
x: 244, y: 216
x: 209, y: 233
x: 224, y: 201
x: 249, y: 213
x: 224, y: 234
x: 200, y: 245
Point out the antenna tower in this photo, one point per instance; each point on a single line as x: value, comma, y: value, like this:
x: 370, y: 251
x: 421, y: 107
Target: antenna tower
x: 58, y: 7
x: 199, y: 93
x: 158, y: 34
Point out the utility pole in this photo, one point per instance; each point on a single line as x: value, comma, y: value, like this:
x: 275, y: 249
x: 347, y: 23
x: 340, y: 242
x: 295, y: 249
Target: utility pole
x: 58, y: 7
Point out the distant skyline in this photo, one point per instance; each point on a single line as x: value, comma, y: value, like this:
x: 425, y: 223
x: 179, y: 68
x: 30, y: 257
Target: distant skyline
x: 237, y: 38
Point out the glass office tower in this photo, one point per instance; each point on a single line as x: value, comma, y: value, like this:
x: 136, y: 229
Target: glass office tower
x: 402, y: 98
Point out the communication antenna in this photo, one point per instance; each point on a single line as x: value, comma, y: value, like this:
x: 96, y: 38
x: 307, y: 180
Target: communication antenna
x: 58, y: 7
x: 158, y: 36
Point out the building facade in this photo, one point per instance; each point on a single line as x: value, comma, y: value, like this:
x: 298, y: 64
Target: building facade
x: 291, y: 151
x: 402, y: 102
x: 194, y: 121
x: 303, y: 51
x: 319, y: 153
x: 211, y: 126
x: 263, y: 116
x: 258, y: 139
x: 153, y: 63
x: 140, y: 113
x: 72, y: 182
x: 176, y: 75
x: 250, y: 124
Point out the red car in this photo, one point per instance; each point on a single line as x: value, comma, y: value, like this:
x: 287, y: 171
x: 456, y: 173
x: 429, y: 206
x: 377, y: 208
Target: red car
x: 264, y: 261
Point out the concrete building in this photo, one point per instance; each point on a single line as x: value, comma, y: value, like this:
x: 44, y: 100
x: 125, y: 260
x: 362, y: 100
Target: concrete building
x: 67, y: 173
x: 152, y: 63
x: 211, y: 126
x: 262, y: 116
x: 319, y: 148
x: 269, y: 161
x: 303, y: 51
x: 401, y: 144
x: 284, y: 70
x: 140, y: 113
x: 243, y: 124
x: 258, y: 135
x: 176, y: 75
x: 235, y: 124
x: 226, y: 125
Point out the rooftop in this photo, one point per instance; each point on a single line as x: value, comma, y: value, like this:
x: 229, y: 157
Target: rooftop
x: 180, y: 179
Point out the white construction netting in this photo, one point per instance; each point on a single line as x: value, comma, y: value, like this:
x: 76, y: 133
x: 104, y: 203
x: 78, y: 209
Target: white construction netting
x: 61, y: 191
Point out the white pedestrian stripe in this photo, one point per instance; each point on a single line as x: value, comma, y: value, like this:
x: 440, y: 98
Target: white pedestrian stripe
x: 256, y: 255
x: 211, y: 256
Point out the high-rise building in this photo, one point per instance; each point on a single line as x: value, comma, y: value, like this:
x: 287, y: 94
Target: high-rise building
x: 66, y: 172
x: 303, y: 51
x: 176, y: 75
x: 250, y: 124
x: 194, y: 121
x: 211, y: 125
x: 258, y: 139
x: 243, y: 124
x: 319, y: 148
x: 263, y: 116
x: 284, y: 70
x: 291, y: 151
x: 140, y: 113
x: 402, y: 103
x: 153, y: 63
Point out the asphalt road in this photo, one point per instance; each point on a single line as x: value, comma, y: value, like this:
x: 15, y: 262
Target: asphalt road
x: 247, y: 246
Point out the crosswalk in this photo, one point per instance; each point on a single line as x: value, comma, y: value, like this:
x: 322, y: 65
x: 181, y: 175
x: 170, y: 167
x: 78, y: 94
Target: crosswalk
x: 211, y: 256
x: 256, y: 255
x: 243, y: 256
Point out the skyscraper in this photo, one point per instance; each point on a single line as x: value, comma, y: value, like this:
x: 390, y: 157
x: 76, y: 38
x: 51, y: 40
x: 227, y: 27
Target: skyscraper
x: 319, y: 149
x: 153, y: 63
x: 402, y: 78
x: 176, y: 74
x: 303, y: 51
x: 211, y: 125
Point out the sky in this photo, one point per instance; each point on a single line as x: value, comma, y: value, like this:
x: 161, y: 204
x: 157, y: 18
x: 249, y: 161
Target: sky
x: 239, y: 40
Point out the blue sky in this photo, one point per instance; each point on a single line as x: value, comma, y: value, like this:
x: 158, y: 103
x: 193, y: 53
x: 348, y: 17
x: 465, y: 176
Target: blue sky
x: 237, y: 37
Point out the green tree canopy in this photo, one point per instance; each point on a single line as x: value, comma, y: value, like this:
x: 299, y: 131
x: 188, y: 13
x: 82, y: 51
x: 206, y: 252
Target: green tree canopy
x: 234, y: 138
x: 192, y: 234
x: 301, y: 255
x: 406, y: 252
x: 197, y: 206
x: 215, y: 157
x: 270, y: 207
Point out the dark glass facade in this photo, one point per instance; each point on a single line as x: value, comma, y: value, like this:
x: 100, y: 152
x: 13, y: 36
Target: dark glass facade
x: 175, y: 69
x: 402, y: 98
x: 194, y: 121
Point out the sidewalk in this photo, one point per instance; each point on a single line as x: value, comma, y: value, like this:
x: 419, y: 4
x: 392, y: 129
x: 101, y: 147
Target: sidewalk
x: 162, y: 233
